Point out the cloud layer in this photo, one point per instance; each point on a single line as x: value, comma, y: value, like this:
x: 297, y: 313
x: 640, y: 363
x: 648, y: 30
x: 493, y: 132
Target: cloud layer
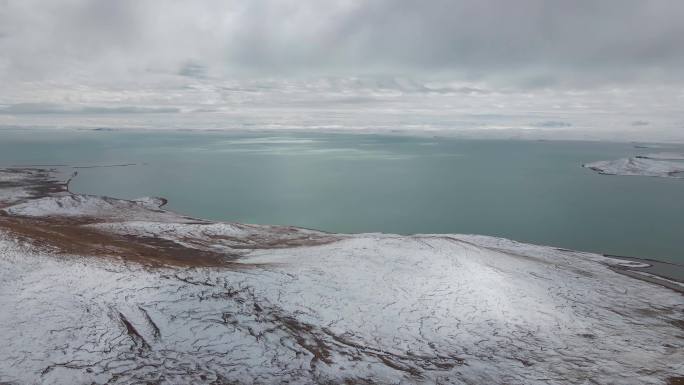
x: 529, y: 42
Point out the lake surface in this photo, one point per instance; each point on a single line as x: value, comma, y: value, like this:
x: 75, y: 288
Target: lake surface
x: 530, y: 191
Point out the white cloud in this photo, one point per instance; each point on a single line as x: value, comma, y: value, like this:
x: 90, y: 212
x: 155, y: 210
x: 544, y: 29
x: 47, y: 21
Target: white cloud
x: 533, y: 41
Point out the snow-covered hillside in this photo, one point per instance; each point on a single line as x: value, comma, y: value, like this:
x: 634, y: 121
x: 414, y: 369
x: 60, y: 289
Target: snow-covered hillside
x: 100, y: 290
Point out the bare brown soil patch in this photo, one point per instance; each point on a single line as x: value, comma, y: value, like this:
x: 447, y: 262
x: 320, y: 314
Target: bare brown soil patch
x: 66, y: 236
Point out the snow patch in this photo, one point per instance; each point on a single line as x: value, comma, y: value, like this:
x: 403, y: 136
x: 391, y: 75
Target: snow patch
x: 76, y: 205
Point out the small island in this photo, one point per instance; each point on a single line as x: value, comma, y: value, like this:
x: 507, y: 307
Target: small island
x: 664, y: 165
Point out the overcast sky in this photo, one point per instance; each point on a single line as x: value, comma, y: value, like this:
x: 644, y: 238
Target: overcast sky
x: 554, y: 41
x: 78, y: 51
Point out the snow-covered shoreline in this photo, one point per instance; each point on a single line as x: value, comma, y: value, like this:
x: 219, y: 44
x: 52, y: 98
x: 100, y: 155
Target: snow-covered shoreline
x: 665, y: 165
x: 103, y: 290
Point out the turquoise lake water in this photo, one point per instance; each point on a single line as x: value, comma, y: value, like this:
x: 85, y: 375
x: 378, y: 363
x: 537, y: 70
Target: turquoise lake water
x: 530, y: 191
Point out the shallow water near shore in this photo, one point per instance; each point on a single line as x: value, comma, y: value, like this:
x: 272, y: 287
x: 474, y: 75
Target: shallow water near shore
x: 530, y: 191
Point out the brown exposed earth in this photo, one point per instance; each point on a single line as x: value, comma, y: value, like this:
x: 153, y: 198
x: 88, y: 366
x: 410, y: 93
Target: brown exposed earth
x: 69, y: 237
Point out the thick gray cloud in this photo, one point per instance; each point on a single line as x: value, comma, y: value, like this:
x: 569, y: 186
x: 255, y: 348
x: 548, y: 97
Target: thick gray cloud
x: 528, y: 42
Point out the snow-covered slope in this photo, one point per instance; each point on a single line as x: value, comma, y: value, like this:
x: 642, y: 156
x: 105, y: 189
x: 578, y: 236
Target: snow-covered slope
x: 85, y: 205
x: 639, y: 166
x: 302, y: 307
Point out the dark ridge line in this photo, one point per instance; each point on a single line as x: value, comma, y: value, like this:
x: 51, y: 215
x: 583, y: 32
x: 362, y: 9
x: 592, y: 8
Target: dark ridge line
x: 164, y: 201
x: 656, y: 279
x: 67, y: 165
x: 133, y: 333
x: 155, y: 329
x: 639, y: 258
x: 108, y: 165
